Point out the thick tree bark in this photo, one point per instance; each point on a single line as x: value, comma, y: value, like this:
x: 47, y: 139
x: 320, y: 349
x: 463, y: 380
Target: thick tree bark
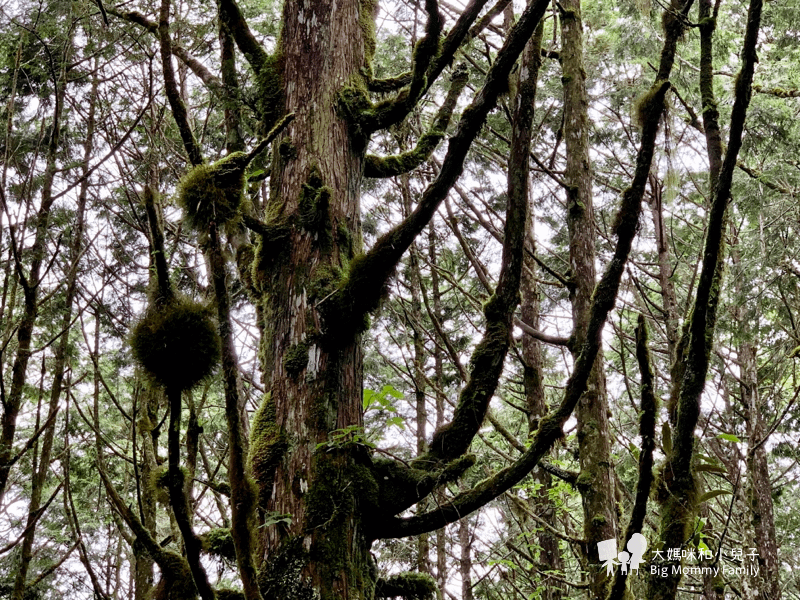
x: 315, y: 384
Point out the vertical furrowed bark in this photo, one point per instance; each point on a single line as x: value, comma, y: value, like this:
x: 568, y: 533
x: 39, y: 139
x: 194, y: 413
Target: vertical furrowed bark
x: 315, y: 384
x: 596, y: 482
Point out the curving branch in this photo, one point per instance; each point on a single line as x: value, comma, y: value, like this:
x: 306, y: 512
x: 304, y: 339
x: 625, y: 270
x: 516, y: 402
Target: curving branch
x: 488, y: 358
x: 603, y: 300
x: 390, y: 166
x: 360, y: 293
x: 171, y: 87
x: 395, y: 109
x: 232, y: 18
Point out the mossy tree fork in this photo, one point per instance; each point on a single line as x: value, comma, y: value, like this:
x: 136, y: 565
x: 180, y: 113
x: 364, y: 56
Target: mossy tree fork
x: 313, y: 288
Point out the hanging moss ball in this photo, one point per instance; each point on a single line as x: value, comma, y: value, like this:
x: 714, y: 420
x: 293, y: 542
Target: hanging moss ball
x: 213, y: 192
x: 177, y: 344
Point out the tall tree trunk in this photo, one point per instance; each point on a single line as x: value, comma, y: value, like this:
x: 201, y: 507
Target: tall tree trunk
x: 596, y: 481
x: 465, y: 561
x: 759, y: 482
x: 315, y: 382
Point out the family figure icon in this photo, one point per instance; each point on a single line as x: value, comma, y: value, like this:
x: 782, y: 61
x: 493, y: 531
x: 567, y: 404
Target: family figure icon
x: 630, y: 560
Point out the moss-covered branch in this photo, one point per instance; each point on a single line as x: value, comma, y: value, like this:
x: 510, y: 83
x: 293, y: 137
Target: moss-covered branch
x: 232, y: 17
x: 777, y: 92
x: 647, y: 432
x: 268, y: 68
x: 171, y: 87
x: 395, y: 109
x: 243, y: 491
x: 390, y: 166
x: 409, y: 586
x: 402, y: 486
x: 176, y: 578
x: 361, y: 291
x: 179, y: 501
x: 488, y: 358
x: 603, y: 299
x: 677, y: 516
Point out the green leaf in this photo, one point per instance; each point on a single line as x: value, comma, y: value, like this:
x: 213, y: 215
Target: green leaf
x: 711, y: 468
x: 713, y: 494
x: 729, y: 437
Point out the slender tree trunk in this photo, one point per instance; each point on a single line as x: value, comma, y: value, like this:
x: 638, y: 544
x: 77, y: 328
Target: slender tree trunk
x: 533, y: 372
x: 438, y: 378
x: 59, y: 360
x: 12, y: 403
x: 596, y: 481
x: 465, y: 562
x: 759, y: 482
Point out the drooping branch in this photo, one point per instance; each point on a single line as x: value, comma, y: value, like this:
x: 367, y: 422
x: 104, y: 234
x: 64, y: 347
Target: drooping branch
x: 390, y: 166
x: 603, y: 299
x: 647, y: 432
x: 361, y: 291
x: 488, y: 358
x: 171, y: 87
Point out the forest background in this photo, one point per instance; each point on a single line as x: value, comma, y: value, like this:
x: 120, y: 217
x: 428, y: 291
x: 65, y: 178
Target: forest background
x: 365, y: 299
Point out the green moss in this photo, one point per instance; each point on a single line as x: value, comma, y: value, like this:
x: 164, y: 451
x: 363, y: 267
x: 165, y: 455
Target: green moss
x: 599, y: 520
x: 295, y: 359
x: 177, y: 343
x: 410, y: 586
x: 649, y: 102
x: 367, y: 11
x: 585, y: 479
x: 159, y: 483
x: 324, y: 280
x: 269, y: 82
x: 344, y: 239
x: 314, y: 208
x: 271, y: 248
x: 213, y: 192
x: 219, y: 542
x: 389, y: 166
x: 352, y: 298
x: 282, y: 575
x: 176, y: 578
x: 267, y: 447
x: 287, y: 149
